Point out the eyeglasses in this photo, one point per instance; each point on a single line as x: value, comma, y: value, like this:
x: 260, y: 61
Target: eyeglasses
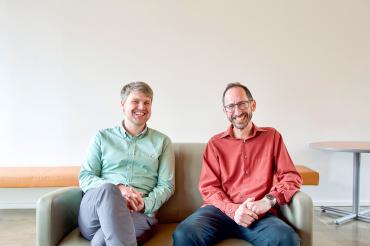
x: 243, y: 105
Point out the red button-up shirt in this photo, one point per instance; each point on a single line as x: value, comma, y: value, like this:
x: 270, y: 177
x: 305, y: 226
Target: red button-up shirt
x: 235, y: 169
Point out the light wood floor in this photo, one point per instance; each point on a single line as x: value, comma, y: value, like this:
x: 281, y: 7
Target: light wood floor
x: 17, y: 228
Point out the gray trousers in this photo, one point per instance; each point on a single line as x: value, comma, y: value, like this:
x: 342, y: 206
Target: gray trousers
x: 104, y: 219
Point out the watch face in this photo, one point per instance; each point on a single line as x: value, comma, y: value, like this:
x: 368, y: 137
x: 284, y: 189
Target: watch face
x: 270, y: 197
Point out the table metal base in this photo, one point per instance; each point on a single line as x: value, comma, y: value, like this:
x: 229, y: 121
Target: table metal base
x: 355, y: 213
x: 356, y: 148
x: 349, y: 215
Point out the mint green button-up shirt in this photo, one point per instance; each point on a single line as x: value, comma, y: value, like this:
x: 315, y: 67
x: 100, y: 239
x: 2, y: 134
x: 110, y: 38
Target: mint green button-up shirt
x: 146, y: 162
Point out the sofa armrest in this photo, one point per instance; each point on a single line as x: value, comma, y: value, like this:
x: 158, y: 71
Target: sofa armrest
x: 299, y: 213
x: 57, y: 215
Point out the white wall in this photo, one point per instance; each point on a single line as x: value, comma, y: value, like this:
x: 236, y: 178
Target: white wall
x: 63, y: 63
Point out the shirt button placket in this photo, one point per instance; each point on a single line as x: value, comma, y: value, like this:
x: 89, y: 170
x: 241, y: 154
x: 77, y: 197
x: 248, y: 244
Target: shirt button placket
x: 245, y: 164
x: 133, y: 158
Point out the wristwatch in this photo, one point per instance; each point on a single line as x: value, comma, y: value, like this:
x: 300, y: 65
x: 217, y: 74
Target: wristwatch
x: 271, y: 199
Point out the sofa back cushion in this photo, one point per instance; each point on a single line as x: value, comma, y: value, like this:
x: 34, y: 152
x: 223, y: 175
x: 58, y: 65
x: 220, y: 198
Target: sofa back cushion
x: 186, y: 198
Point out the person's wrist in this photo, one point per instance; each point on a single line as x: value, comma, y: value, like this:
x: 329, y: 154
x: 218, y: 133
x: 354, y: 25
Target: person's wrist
x: 120, y: 186
x: 270, y: 199
x: 124, y: 188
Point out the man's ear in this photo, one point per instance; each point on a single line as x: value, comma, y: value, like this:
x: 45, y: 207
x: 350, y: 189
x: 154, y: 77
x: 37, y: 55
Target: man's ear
x: 254, y: 105
x: 122, y: 103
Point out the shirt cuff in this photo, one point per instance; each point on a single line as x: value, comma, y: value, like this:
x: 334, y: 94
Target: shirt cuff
x: 230, y: 209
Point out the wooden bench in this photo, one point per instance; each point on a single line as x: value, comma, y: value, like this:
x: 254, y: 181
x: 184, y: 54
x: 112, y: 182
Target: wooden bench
x: 309, y: 176
x: 33, y: 177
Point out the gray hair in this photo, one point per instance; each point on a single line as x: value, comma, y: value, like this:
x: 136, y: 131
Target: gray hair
x: 237, y: 84
x: 136, y: 86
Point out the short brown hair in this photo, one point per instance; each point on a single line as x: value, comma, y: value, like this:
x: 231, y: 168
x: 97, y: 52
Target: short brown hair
x: 236, y: 84
x: 136, y: 86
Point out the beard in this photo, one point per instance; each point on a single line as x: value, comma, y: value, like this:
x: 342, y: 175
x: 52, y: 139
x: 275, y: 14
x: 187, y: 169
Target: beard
x: 247, y: 117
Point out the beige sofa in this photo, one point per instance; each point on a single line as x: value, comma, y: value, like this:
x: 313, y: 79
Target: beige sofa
x: 57, y: 212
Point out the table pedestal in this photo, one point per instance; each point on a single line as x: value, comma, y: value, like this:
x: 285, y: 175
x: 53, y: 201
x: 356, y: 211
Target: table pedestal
x: 355, y: 214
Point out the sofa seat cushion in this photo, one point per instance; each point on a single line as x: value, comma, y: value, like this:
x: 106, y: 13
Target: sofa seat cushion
x: 74, y: 239
x: 163, y: 237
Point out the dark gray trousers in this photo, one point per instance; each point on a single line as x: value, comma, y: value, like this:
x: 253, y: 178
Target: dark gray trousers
x: 104, y: 219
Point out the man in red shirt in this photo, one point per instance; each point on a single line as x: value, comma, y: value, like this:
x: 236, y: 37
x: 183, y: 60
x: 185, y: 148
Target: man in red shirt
x: 246, y: 172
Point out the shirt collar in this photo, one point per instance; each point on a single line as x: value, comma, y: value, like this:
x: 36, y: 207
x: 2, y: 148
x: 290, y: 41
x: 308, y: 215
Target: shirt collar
x: 126, y: 134
x: 229, y: 132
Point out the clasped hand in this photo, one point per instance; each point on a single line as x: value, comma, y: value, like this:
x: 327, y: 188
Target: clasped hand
x: 133, y: 198
x: 249, y: 210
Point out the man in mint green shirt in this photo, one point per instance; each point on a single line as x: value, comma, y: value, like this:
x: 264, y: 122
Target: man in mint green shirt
x: 127, y: 176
